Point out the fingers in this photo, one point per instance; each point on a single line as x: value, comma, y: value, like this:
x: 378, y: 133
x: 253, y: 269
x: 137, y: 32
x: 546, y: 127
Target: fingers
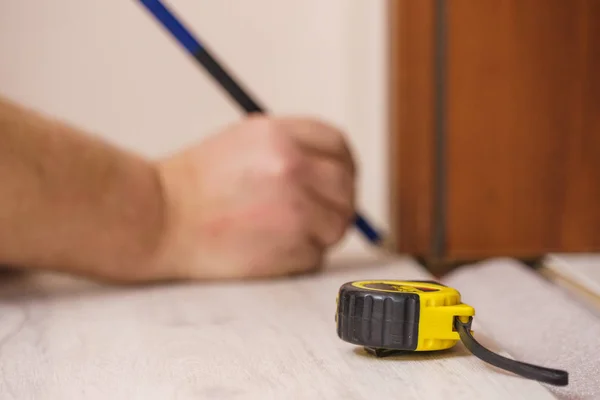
x: 327, y: 225
x: 331, y: 184
x: 315, y: 182
x: 292, y: 256
x: 328, y: 185
x: 318, y: 138
x: 319, y: 220
x: 303, y: 258
x: 329, y: 171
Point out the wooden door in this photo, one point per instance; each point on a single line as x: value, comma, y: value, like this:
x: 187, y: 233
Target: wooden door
x: 495, y: 111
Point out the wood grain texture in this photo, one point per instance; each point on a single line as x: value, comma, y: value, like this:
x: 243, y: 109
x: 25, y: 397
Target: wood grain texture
x: 577, y: 274
x: 66, y: 339
x: 535, y: 321
x: 523, y: 127
x: 412, y: 123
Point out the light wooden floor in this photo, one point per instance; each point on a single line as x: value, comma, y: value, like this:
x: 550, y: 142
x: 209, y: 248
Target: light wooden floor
x: 66, y: 339
x: 578, y: 275
x: 536, y: 320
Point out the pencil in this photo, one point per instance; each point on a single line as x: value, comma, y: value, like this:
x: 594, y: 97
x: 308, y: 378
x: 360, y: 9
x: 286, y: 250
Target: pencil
x: 233, y: 88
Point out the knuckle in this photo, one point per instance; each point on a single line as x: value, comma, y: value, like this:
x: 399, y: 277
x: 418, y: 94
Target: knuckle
x: 281, y: 160
x: 339, y: 140
x: 342, y: 144
x: 268, y: 129
x: 285, y: 163
x: 337, y: 136
x: 261, y: 123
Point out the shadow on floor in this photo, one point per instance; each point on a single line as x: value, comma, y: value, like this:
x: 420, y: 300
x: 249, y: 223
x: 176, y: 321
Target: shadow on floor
x: 416, y: 355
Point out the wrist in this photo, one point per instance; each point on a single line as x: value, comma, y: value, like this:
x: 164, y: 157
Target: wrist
x: 169, y: 258
x: 139, y: 232
x: 73, y: 203
x: 147, y: 262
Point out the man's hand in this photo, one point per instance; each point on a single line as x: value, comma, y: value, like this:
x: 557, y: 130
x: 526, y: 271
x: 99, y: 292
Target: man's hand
x: 265, y: 197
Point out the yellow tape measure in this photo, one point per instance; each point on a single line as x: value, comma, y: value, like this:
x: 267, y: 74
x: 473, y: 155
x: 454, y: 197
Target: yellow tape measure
x: 389, y: 316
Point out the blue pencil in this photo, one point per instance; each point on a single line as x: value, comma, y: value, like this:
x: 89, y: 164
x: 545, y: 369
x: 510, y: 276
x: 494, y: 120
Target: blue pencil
x: 240, y: 95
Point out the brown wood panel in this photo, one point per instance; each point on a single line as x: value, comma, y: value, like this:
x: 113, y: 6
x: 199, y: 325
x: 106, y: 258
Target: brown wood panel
x: 523, y: 126
x: 581, y: 229
x: 411, y: 123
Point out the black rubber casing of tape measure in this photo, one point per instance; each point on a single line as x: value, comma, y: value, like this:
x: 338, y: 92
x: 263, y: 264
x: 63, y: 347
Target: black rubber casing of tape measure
x: 378, y: 319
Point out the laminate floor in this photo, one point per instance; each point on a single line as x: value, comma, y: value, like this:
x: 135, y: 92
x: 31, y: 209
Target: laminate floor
x: 62, y: 338
x: 535, y: 321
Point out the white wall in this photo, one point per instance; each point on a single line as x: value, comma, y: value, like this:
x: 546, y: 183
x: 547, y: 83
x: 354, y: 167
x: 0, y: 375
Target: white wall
x: 107, y: 66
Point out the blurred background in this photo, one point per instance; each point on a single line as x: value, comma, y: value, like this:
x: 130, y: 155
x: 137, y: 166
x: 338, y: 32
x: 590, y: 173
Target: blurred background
x: 476, y: 125
x: 109, y: 67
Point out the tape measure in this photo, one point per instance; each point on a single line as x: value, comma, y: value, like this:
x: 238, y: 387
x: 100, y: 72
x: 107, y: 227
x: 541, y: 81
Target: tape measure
x: 388, y: 317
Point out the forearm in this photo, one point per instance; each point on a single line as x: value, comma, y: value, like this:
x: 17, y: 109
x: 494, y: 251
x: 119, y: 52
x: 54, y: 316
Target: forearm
x: 70, y: 202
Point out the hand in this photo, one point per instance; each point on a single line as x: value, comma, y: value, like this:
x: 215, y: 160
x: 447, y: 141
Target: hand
x: 265, y: 197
